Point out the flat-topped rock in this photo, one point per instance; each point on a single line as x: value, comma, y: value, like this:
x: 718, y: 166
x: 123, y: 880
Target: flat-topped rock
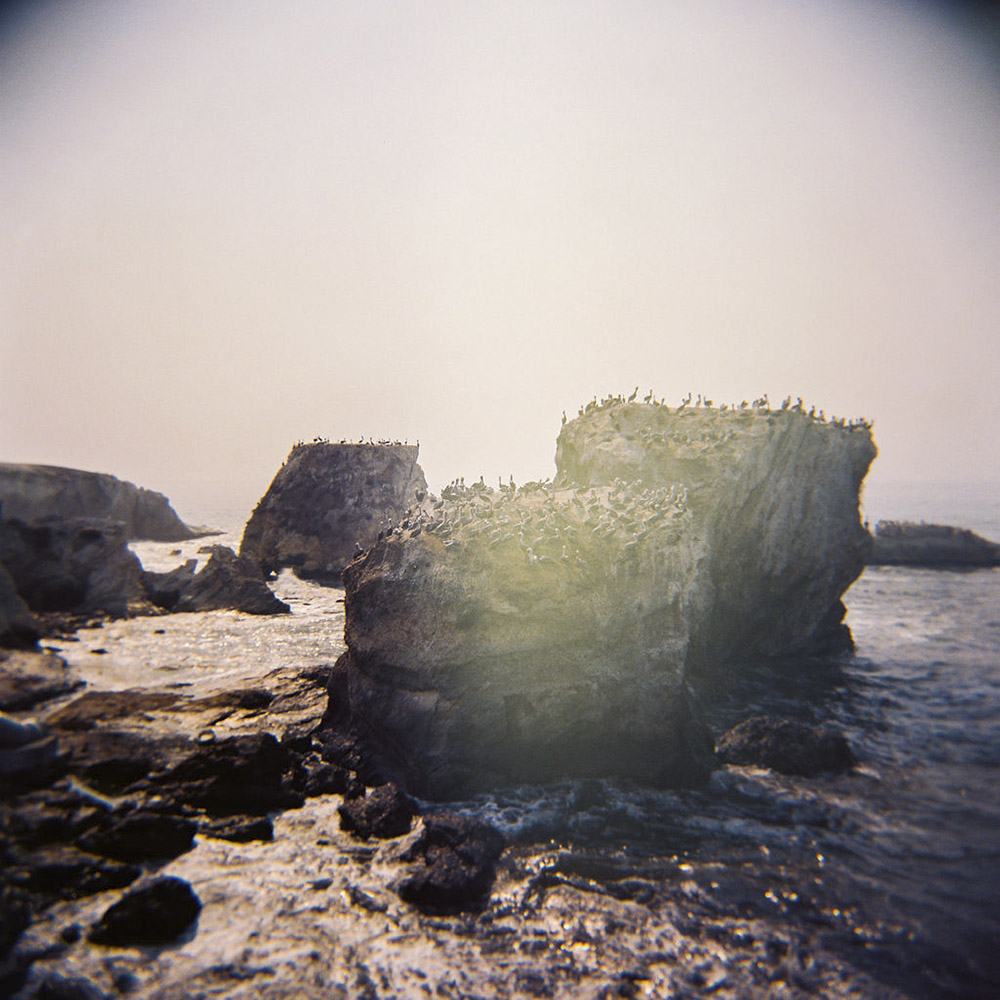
x: 328, y: 501
x: 934, y: 546
x: 32, y: 492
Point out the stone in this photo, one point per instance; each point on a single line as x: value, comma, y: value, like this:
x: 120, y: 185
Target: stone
x: 455, y: 857
x: 556, y: 630
x: 157, y: 913
x: 383, y: 812
x: 66, y: 873
x: 326, y: 502
x: 241, y: 829
x: 29, y: 677
x: 932, y: 546
x: 140, y: 835
x: 31, y: 492
x: 786, y: 746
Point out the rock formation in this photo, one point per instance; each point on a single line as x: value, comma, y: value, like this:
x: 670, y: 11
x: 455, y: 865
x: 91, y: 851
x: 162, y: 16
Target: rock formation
x: 225, y: 582
x: 72, y: 566
x: 32, y: 492
x: 934, y: 546
x: 326, y: 501
x: 550, y: 631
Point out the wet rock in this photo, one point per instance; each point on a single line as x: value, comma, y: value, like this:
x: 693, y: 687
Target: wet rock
x: 156, y: 913
x: 325, y: 501
x: 28, y: 492
x: 66, y: 873
x: 382, y: 812
x: 932, y: 546
x: 73, y: 566
x: 100, y: 707
x: 554, y: 630
x: 226, y: 582
x: 455, y: 857
x: 786, y: 746
x: 28, y: 677
x: 243, y: 775
x: 241, y: 829
x: 45, y: 984
x: 140, y: 835
x: 28, y: 753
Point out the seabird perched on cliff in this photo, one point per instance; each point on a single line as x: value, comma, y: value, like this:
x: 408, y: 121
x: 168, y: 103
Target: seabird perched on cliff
x: 631, y: 398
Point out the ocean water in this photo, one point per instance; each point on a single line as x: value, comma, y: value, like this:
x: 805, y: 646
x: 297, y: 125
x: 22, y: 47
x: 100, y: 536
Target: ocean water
x: 897, y: 863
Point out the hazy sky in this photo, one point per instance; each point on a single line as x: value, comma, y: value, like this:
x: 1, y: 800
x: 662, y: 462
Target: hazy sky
x: 228, y: 226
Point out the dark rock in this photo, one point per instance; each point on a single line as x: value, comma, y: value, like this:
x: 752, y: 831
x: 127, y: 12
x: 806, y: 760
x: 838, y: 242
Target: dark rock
x: 165, y: 589
x: 94, y: 707
x: 383, y: 812
x: 72, y: 566
x: 933, y: 546
x: 786, y: 746
x: 28, y: 677
x: 139, y: 836
x: 325, y: 501
x: 242, y: 775
x: 28, y: 492
x: 456, y: 859
x: 66, y: 873
x: 156, y: 913
x: 239, y: 828
x: 226, y: 582
x: 19, y: 629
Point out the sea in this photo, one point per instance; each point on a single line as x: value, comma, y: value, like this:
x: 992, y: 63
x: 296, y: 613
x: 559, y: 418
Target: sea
x: 899, y: 860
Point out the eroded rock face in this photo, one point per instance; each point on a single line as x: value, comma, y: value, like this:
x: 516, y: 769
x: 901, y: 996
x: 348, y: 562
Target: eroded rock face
x: 533, y: 634
x: 72, y: 566
x: 32, y: 492
x: 326, y: 501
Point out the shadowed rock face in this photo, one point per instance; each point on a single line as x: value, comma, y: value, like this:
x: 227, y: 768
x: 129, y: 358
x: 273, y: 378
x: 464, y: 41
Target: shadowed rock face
x: 532, y: 634
x: 32, y: 492
x: 325, y: 501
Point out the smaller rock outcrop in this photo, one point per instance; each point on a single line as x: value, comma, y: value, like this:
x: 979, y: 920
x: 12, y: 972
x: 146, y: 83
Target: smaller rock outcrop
x: 226, y: 582
x: 18, y: 626
x: 28, y: 677
x: 31, y: 492
x: 786, y: 746
x: 383, y: 812
x: 933, y: 546
x: 328, y: 501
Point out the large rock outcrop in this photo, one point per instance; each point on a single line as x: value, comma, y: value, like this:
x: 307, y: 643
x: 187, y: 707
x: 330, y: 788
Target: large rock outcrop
x: 326, y: 501
x: 33, y: 492
x: 550, y: 631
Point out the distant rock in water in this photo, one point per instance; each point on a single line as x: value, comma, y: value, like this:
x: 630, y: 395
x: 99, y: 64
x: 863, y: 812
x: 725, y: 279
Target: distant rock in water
x: 552, y: 630
x: 226, y: 582
x: 934, y: 546
x: 32, y: 492
x: 326, y: 501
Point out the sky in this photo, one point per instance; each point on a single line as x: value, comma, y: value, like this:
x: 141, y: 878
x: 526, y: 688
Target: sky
x: 231, y: 226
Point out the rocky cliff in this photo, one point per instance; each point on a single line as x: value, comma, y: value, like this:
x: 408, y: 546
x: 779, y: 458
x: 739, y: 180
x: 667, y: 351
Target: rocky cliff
x: 33, y: 492
x: 550, y: 631
x: 326, y: 501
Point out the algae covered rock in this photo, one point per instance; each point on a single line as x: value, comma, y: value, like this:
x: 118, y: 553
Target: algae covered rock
x: 326, y: 501
x: 551, y: 631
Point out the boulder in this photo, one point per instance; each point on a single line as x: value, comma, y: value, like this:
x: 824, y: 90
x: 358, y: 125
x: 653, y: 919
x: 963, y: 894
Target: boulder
x: 932, y: 546
x: 18, y: 626
x: 552, y: 631
x: 326, y: 501
x: 225, y: 582
x: 382, y: 812
x: 72, y: 566
x: 156, y: 913
x: 32, y: 492
x: 786, y: 746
